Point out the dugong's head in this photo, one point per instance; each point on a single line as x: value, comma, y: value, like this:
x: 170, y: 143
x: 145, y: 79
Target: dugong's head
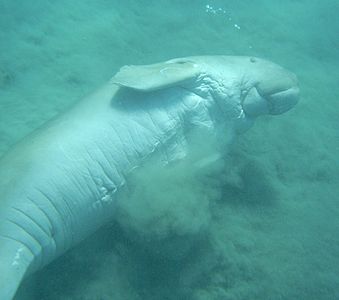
x: 272, y: 89
x: 262, y: 87
x: 242, y: 85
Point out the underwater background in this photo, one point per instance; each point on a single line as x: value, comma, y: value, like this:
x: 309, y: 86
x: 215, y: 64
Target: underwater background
x: 264, y: 222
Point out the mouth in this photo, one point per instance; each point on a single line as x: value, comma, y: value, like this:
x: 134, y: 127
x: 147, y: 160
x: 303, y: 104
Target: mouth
x: 257, y: 103
x: 283, y: 101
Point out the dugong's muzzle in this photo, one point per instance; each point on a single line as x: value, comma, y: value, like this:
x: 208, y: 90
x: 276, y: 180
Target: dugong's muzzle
x: 275, y: 93
x: 274, y: 104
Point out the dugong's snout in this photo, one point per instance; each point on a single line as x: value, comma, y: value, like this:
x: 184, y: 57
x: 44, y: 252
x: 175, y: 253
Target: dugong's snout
x: 283, y: 101
x: 274, y: 92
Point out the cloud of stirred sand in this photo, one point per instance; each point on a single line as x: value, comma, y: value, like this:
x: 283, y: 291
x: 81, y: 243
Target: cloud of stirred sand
x: 173, y: 200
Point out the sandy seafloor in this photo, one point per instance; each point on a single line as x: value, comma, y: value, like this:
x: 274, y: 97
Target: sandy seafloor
x: 267, y: 226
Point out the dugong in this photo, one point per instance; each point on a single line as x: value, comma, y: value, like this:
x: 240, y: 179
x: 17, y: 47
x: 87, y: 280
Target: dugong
x: 61, y: 183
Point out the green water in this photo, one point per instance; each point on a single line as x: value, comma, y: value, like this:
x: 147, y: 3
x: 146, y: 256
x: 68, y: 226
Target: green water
x: 265, y: 224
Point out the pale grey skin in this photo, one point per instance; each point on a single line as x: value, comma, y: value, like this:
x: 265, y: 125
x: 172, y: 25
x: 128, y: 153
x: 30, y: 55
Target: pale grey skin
x: 62, y: 182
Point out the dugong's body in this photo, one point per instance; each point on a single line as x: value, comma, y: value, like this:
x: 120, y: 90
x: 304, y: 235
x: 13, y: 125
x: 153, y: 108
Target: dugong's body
x: 62, y: 182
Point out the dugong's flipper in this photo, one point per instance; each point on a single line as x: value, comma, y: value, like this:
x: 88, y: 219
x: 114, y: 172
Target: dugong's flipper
x: 156, y: 76
x: 13, y: 266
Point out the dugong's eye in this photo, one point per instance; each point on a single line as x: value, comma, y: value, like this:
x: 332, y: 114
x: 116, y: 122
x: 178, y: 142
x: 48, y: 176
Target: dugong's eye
x: 182, y: 62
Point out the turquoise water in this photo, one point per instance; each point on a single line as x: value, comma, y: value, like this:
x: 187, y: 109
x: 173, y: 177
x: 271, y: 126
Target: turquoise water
x: 267, y: 225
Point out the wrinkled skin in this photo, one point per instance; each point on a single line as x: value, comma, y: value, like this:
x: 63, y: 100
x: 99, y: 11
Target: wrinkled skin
x: 62, y: 182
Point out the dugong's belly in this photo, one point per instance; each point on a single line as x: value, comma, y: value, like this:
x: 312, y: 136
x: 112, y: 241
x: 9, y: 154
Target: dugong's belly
x: 64, y: 191
x: 59, y: 195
